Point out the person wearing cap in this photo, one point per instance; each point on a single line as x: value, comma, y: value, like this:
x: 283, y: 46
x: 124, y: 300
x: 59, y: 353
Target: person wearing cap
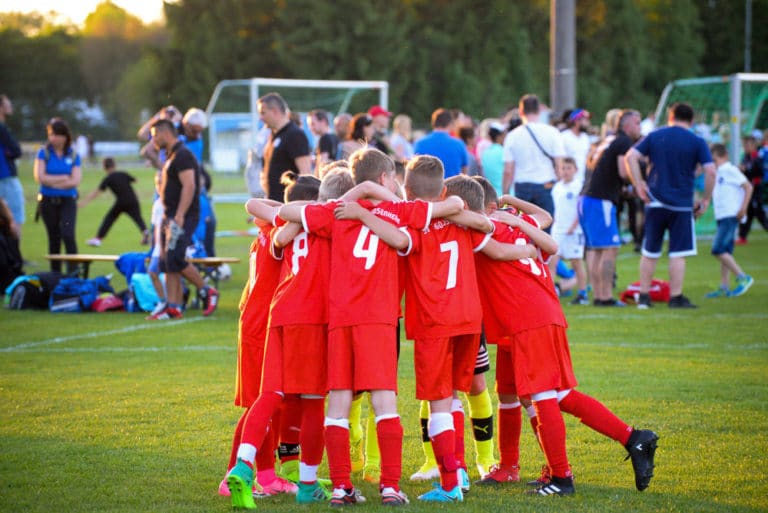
x: 439, y: 143
x: 380, y: 117
x: 533, y: 154
x: 576, y: 140
x: 492, y: 159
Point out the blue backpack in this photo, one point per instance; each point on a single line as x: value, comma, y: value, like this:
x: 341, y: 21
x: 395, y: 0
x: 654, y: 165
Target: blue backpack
x: 77, y: 294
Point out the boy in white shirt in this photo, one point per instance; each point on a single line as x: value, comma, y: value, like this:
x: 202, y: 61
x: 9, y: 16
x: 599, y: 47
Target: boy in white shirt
x: 566, y: 229
x: 730, y: 198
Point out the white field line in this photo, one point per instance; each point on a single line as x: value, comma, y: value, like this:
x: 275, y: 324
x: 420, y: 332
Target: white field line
x: 97, y: 334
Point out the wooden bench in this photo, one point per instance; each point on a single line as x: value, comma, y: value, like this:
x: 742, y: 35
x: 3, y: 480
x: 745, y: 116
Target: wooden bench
x: 206, y: 265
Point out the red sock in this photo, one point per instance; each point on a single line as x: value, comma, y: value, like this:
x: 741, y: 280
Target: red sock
x: 389, y: 433
x: 594, y: 414
x: 265, y: 455
x: 290, y: 426
x: 444, y: 445
x: 552, y: 436
x: 510, y: 425
x: 312, y: 435
x: 337, y: 449
x: 257, y: 423
x: 236, y: 439
x: 458, y: 437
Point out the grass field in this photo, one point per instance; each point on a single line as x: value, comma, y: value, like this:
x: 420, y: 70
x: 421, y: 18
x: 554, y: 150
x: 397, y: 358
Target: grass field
x: 108, y: 412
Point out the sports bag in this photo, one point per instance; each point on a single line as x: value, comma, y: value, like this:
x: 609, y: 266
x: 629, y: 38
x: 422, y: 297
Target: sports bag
x: 77, y: 294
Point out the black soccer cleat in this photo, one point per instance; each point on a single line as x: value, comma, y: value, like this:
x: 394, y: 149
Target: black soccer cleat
x: 561, y: 486
x: 642, y: 448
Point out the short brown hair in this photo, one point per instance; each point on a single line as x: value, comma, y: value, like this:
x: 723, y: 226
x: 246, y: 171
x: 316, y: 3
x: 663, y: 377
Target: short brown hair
x: 299, y: 187
x: 442, y: 118
x: 369, y: 163
x: 719, y: 150
x: 529, y: 104
x: 424, y: 177
x: 467, y: 189
x: 489, y: 192
x: 336, y: 182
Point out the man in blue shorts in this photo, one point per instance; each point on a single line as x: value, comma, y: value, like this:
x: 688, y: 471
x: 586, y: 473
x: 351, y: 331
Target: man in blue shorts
x: 674, y: 153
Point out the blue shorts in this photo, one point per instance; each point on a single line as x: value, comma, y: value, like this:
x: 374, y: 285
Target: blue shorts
x: 13, y: 194
x: 682, y: 234
x: 598, y: 222
x: 725, y: 235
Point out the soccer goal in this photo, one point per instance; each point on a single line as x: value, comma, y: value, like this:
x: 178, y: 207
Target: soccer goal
x: 233, y: 118
x: 733, y: 104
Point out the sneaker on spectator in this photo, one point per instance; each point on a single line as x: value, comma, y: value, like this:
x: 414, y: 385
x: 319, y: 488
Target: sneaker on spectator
x: 392, y: 497
x: 719, y: 292
x: 741, y: 241
x: 643, y: 300
x: 95, y: 242
x: 169, y: 312
x: 159, y: 307
x: 341, y: 497
x: 742, y: 285
x: 240, y: 484
x: 437, y: 494
x: 557, y: 486
x: 210, y: 301
x: 681, y: 302
x: 580, y: 299
x: 427, y: 472
x: 500, y: 475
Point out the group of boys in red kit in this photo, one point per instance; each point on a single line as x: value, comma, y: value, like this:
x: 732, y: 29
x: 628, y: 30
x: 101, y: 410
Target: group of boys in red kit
x: 331, y: 269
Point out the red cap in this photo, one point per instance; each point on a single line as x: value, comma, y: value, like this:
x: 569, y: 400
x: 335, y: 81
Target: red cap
x: 378, y: 110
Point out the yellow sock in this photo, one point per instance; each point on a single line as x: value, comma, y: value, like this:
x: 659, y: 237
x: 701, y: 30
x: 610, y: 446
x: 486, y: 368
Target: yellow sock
x: 372, y: 454
x: 426, y: 444
x: 355, y: 413
x: 481, y: 415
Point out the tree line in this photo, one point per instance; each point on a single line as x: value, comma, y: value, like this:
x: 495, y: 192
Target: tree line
x: 479, y: 56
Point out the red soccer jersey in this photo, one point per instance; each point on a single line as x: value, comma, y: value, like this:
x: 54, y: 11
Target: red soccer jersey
x: 516, y: 295
x: 302, y: 295
x: 364, y: 283
x: 441, y: 295
x: 263, y: 276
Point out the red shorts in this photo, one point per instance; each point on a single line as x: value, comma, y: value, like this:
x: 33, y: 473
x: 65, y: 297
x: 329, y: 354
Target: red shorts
x: 444, y: 364
x: 250, y: 359
x: 295, y: 360
x: 537, y: 360
x: 363, y: 358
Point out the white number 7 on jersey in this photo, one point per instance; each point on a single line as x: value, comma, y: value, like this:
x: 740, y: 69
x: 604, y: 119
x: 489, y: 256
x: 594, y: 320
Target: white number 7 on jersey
x: 453, y: 261
x: 361, y: 251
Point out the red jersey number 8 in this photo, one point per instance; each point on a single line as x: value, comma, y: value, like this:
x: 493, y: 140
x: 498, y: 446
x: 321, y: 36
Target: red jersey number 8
x: 535, y: 269
x: 300, y: 250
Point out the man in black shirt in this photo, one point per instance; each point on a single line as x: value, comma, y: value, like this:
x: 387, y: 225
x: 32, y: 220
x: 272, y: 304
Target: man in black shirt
x: 287, y: 149
x: 328, y: 142
x: 126, y: 201
x: 180, y: 191
x: 597, y: 214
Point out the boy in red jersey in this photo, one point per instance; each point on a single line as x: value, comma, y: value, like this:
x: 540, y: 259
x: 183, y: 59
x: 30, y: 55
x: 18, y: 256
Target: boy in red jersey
x: 363, y: 355
x: 444, y: 318
x: 533, y: 360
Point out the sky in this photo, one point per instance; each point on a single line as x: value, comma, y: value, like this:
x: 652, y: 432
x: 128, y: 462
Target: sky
x: 77, y: 10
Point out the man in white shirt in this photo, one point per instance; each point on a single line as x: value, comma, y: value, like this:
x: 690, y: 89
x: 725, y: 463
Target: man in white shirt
x: 576, y: 141
x: 533, y: 155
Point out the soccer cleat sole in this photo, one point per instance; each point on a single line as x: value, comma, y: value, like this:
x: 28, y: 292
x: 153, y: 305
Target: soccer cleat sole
x: 241, y: 493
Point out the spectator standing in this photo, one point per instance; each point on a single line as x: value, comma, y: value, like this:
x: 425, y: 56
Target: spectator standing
x: 11, y: 262
x: 752, y: 166
x: 674, y: 153
x: 57, y: 170
x: 597, y: 212
x: 359, y: 134
x: 532, y: 156
x: 648, y: 124
x: 287, y: 149
x: 10, y: 186
x: 492, y: 158
x: 576, y: 141
x: 328, y: 142
x: 402, y: 137
x: 439, y: 143
x: 126, y: 201
x: 467, y: 136
x: 730, y: 199
x: 380, y: 139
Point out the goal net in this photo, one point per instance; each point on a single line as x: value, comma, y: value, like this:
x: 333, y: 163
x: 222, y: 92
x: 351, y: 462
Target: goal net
x: 234, y: 124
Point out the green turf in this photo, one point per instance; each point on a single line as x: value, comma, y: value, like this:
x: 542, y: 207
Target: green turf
x: 108, y: 412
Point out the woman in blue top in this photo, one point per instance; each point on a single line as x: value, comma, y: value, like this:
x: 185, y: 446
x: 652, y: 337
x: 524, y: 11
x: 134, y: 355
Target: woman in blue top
x: 57, y: 170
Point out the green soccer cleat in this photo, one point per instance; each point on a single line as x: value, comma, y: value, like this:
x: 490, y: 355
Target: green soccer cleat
x: 311, y: 493
x: 240, y: 484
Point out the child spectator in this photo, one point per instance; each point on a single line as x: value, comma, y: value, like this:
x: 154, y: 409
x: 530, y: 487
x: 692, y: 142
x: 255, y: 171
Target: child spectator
x: 566, y: 229
x: 126, y: 201
x: 731, y: 198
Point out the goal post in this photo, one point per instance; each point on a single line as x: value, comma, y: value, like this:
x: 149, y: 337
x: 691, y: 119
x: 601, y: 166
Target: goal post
x: 732, y: 104
x: 234, y: 119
